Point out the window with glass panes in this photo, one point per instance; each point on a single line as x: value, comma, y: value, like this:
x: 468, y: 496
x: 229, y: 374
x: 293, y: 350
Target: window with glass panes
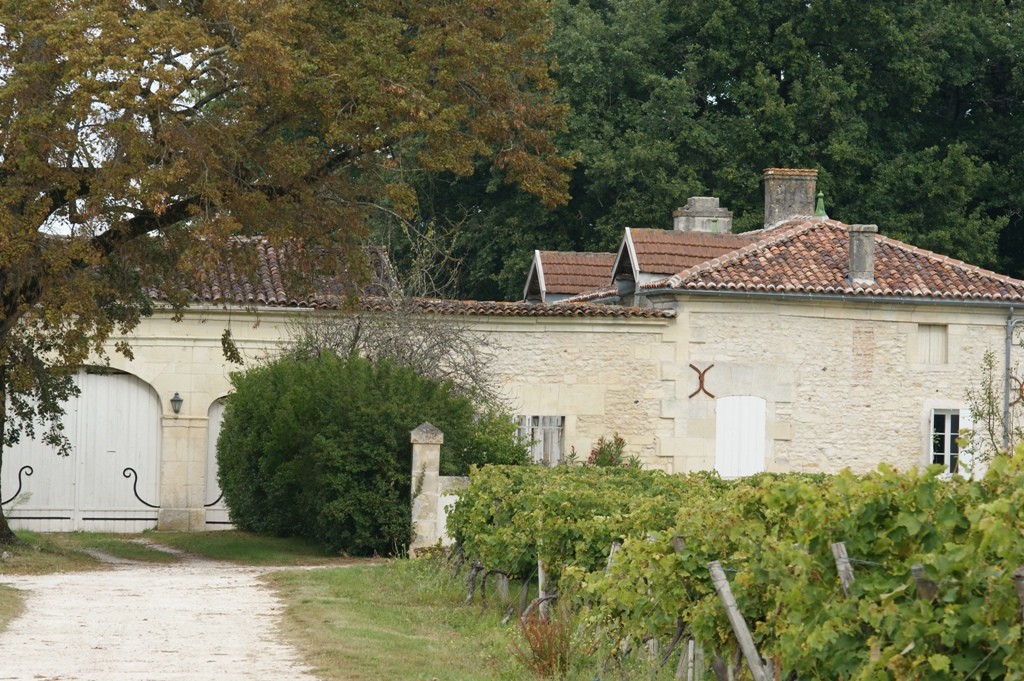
x: 545, y: 434
x: 945, y: 431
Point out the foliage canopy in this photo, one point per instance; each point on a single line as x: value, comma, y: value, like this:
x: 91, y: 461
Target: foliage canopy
x: 911, y: 112
x: 138, y: 138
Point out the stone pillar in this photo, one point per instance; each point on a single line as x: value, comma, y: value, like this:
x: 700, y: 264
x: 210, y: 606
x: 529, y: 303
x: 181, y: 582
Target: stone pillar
x: 862, y: 254
x: 426, y: 471
x: 182, y: 473
x: 788, y: 193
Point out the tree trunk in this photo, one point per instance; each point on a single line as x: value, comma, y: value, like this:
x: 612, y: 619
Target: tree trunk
x: 6, y: 534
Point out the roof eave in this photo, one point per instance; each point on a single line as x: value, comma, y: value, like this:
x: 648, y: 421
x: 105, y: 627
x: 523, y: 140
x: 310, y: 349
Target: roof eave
x: 536, y: 272
x: 666, y: 291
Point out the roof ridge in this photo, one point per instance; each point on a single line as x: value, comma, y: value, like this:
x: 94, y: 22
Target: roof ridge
x: 576, y: 252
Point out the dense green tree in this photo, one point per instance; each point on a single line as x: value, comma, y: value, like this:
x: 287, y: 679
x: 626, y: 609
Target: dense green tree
x: 319, y: 448
x: 146, y: 134
x: 911, y: 111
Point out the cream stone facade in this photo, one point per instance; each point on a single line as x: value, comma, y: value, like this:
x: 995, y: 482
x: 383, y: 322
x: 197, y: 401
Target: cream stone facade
x: 843, y: 382
x: 810, y: 345
x: 602, y: 374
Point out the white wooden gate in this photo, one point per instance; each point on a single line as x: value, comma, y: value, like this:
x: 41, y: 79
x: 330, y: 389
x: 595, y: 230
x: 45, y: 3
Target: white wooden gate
x: 216, y: 509
x: 739, y: 435
x: 110, y: 482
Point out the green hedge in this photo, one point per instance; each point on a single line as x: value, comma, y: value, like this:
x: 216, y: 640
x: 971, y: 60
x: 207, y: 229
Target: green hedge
x: 320, y: 449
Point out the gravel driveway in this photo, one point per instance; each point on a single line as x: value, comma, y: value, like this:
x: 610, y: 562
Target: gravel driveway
x: 196, y: 620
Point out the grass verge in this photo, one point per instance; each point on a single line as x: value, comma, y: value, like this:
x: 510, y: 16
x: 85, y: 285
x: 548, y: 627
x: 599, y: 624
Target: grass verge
x: 399, y: 620
x: 38, y: 554
x: 246, y: 549
x: 12, y: 604
x: 405, y: 619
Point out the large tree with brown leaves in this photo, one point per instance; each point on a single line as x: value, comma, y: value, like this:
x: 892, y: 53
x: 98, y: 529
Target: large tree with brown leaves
x: 137, y: 137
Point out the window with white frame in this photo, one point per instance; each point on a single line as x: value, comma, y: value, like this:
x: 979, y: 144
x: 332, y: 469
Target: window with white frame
x: 945, y: 431
x: 545, y: 435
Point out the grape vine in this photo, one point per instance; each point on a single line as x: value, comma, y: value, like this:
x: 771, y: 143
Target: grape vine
x: 958, y: 617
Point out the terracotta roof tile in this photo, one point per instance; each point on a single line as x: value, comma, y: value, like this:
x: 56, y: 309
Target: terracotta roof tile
x: 261, y: 276
x: 574, y: 272
x: 519, y: 309
x: 812, y: 256
x: 665, y: 251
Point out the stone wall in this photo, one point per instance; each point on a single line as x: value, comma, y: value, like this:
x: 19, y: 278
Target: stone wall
x: 601, y: 374
x: 844, y: 383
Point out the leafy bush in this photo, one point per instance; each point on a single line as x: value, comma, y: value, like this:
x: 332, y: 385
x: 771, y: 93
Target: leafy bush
x: 607, y: 451
x: 319, y: 448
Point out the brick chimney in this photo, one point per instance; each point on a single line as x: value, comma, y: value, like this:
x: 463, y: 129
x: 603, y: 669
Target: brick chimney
x: 702, y: 214
x: 862, y: 254
x: 788, y: 193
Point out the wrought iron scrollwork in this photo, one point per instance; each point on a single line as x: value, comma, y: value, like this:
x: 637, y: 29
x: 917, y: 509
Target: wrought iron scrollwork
x: 128, y: 473
x: 27, y: 470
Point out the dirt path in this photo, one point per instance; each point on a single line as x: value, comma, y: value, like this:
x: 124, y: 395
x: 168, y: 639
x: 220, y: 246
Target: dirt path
x: 195, y: 620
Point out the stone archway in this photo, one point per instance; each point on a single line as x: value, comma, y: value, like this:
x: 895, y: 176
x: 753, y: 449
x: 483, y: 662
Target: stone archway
x: 216, y: 509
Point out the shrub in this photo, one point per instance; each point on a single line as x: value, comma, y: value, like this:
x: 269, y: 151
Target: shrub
x: 319, y: 448
x: 547, y: 645
x: 607, y: 451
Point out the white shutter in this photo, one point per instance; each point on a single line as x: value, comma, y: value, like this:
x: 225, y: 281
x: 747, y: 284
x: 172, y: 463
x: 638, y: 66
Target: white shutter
x: 740, y: 435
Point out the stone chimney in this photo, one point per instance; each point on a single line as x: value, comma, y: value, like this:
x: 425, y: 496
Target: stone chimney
x: 702, y: 214
x: 862, y: 254
x: 788, y: 193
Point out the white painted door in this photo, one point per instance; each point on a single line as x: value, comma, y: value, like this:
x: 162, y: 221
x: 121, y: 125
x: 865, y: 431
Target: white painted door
x: 216, y: 509
x: 110, y: 482
x: 739, y: 435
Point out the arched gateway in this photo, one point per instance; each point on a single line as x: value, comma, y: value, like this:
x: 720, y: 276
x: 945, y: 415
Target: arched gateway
x: 110, y: 481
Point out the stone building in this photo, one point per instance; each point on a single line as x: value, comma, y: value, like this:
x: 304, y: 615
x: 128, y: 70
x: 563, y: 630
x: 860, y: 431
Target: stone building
x: 807, y: 345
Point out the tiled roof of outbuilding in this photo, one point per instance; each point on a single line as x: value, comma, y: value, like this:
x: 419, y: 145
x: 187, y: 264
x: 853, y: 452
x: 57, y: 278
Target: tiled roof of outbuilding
x: 262, y: 280
x: 261, y: 277
x: 665, y: 251
x: 572, y: 272
x: 811, y: 255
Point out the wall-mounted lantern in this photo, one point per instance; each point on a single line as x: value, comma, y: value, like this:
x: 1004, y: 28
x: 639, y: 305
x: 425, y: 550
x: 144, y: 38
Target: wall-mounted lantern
x: 176, y: 403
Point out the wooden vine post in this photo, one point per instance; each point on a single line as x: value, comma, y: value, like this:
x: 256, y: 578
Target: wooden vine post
x: 739, y: 625
x: 616, y: 545
x: 1018, y: 582
x: 927, y: 590
x: 541, y: 595
x: 843, y: 566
